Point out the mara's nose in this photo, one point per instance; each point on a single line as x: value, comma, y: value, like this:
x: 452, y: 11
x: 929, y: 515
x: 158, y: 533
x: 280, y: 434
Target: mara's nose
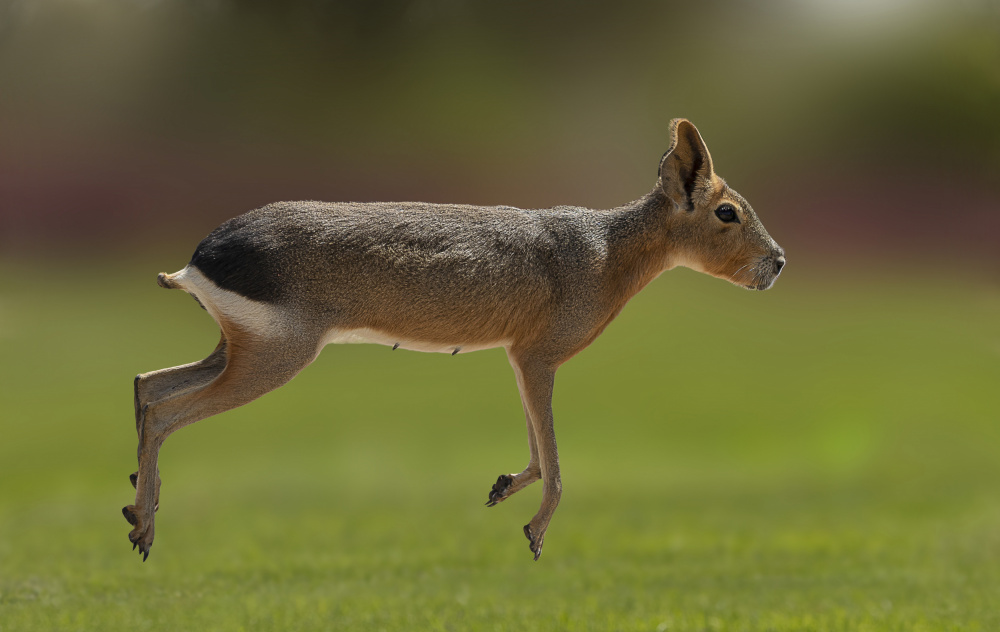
x: 779, y: 263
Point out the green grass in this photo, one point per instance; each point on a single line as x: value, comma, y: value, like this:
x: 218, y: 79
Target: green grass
x: 824, y: 456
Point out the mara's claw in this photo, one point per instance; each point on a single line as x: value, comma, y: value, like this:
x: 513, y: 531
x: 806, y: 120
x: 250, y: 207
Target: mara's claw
x: 534, y: 542
x: 499, y: 490
x: 141, y: 541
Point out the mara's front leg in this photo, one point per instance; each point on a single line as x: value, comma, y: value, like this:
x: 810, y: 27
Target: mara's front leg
x: 535, y: 379
x: 508, y: 484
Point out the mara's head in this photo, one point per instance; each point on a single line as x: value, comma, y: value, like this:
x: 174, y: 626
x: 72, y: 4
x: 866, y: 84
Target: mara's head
x: 713, y: 229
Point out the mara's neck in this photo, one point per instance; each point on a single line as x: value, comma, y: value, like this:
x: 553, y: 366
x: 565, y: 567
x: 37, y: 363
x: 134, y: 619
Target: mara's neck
x: 639, y: 244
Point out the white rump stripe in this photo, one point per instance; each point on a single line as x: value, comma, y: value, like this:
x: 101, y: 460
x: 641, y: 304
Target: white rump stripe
x: 224, y: 305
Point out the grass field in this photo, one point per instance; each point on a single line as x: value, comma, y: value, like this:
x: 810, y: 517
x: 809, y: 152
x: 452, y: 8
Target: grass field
x: 824, y: 456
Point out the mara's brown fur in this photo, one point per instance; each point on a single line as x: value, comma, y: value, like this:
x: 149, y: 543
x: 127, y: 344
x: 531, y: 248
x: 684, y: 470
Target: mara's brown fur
x: 285, y: 280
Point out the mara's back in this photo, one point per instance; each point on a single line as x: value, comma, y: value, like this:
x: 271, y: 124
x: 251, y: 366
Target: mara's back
x: 433, y: 266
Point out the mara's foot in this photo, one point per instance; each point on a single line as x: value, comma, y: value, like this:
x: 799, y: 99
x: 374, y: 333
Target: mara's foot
x: 501, y: 489
x: 535, y: 541
x: 141, y: 536
x: 134, y: 478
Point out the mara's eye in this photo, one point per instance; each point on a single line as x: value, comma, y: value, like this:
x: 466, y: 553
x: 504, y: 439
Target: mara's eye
x: 727, y: 213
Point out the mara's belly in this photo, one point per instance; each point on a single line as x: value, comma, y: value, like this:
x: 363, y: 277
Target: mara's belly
x: 232, y: 310
x: 357, y: 336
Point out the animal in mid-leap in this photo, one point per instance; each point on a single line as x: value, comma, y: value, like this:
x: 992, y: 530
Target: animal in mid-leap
x: 285, y: 280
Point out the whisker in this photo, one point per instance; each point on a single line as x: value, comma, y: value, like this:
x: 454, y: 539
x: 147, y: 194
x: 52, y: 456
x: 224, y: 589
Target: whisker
x: 761, y: 275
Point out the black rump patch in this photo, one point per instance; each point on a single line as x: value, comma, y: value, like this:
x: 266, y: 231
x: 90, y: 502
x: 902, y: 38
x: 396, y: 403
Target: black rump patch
x: 237, y: 257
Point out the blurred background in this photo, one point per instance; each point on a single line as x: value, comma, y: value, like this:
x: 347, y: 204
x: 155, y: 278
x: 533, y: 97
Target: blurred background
x: 745, y: 459
x: 855, y: 127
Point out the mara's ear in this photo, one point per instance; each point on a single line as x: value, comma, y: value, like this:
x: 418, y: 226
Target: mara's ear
x: 687, y: 165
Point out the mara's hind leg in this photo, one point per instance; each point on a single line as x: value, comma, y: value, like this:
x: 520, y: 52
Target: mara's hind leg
x: 158, y: 385
x: 255, y: 365
x: 536, y: 378
x: 508, y: 484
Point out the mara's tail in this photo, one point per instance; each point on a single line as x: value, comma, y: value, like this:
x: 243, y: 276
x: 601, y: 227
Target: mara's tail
x: 163, y: 280
x: 167, y: 280
x: 185, y: 279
